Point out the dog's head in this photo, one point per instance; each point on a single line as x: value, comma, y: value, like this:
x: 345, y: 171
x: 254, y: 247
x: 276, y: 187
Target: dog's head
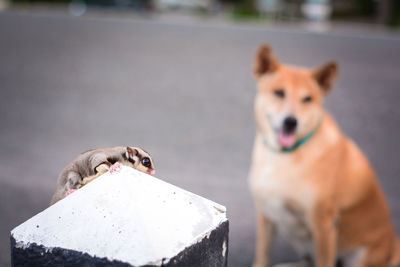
x: 288, y: 104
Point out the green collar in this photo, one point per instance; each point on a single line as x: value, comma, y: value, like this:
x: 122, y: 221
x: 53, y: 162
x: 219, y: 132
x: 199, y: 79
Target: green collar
x: 298, y: 144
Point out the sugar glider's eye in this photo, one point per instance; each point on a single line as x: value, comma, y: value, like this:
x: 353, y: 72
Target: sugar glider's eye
x: 146, y: 162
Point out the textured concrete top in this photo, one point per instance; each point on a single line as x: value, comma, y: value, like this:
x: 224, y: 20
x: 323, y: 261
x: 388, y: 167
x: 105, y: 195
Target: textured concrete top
x: 127, y: 216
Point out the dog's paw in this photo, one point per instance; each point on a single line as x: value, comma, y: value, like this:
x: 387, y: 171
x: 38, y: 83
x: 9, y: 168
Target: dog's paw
x: 115, y: 168
x: 257, y: 264
x: 293, y: 264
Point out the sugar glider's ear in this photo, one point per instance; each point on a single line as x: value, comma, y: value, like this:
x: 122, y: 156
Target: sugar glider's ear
x: 131, y: 152
x: 265, y: 62
x: 326, y: 76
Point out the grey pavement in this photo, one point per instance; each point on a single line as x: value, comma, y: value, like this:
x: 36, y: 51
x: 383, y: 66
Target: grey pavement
x: 185, y: 94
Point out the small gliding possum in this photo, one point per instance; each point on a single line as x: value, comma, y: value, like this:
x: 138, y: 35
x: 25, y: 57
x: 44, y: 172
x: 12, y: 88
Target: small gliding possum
x: 90, y: 164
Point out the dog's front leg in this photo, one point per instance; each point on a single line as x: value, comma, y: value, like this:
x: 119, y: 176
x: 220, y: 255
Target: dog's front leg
x: 325, y: 238
x: 265, y: 234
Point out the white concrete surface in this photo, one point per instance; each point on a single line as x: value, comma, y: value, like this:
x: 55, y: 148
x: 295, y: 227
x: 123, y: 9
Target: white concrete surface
x: 127, y: 216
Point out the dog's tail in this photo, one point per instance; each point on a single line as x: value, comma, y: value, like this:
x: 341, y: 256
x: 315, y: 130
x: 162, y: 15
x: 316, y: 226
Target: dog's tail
x: 395, y: 257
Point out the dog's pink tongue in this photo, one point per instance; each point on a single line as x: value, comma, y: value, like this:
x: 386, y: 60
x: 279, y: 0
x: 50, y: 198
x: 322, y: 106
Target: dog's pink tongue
x: 286, y: 140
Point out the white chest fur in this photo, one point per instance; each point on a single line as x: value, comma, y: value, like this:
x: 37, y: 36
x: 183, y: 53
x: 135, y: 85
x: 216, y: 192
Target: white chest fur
x: 283, y: 194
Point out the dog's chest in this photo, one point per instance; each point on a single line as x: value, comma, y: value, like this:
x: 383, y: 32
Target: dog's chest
x: 286, y: 198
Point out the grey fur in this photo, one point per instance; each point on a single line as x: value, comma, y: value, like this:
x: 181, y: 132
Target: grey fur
x: 85, y: 164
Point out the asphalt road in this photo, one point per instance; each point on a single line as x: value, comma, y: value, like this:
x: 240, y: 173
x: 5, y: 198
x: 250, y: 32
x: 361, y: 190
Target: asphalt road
x: 182, y: 92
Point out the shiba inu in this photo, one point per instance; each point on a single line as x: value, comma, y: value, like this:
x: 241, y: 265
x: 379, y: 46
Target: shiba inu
x: 311, y: 183
x: 90, y: 164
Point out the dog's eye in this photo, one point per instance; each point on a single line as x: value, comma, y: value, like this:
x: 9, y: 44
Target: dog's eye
x: 279, y: 93
x: 146, y: 162
x: 307, y: 99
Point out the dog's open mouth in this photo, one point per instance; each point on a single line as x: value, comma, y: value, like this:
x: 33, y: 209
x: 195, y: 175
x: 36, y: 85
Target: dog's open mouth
x: 286, y: 140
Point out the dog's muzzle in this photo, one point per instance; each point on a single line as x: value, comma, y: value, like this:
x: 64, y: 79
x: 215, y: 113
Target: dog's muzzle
x: 289, y: 125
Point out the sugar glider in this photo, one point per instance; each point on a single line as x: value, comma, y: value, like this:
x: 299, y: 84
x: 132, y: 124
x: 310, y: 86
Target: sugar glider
x: 90, y: 164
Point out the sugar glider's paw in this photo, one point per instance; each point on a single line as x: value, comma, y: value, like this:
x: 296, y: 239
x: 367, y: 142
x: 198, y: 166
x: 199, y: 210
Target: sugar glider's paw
x: 69, y: 192
x: 115, y: 168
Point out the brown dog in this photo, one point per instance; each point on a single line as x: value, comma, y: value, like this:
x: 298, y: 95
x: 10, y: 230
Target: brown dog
x: 309, y: 181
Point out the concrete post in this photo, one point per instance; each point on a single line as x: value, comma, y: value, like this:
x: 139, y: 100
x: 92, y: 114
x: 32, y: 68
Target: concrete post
x: 125, y: 219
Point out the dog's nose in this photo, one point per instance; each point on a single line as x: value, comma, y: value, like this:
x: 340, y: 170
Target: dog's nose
x: 289, y: 124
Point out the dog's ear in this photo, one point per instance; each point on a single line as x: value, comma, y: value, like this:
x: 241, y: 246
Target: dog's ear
x: 326, y: 76
x: 265, y: 61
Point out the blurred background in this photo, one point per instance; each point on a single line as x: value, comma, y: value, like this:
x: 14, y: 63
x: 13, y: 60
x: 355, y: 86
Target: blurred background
x: 385, y: 12
x: 175, y: 77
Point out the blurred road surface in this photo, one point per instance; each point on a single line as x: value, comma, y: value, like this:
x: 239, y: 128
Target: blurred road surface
x: 184, y: 93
